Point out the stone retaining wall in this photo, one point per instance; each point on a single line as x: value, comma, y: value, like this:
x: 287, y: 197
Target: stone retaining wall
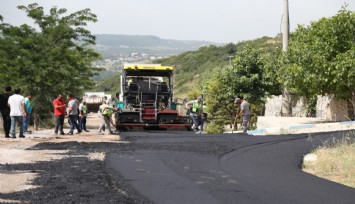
x: 328, y: 108
x: 331, y: 109
x: 282, y: 122
x: 273, y: 107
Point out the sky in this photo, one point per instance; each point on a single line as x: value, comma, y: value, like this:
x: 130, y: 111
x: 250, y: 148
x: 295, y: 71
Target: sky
x: 221, y: 21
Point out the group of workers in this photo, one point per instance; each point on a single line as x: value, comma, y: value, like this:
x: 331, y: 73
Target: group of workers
x: 197, y: 110
x: 78, y: 112
x: 198, y: 113
x: 16, y: 111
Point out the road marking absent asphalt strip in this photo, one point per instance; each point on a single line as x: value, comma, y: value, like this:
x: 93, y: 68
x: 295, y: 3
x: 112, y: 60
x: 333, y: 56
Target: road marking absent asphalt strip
x: 296, y: 127
x: 301, y: 126
x: 292, y: 127
x: 347, y: 123
x: 259, y: 131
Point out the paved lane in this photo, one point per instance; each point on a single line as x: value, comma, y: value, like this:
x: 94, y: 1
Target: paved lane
x: 271, y: 173
x: 179, y: 168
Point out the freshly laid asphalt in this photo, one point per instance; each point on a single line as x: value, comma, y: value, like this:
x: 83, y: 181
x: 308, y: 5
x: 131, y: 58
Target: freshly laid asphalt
x: 186, y: 168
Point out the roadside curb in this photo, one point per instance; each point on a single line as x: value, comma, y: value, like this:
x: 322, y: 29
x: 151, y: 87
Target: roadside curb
x: 305, y: 128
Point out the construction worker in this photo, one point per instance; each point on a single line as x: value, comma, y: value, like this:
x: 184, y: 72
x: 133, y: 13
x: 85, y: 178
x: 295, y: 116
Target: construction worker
x: 83, y: 115
x: 244, y: 112
x: 132, y: 81
x: 196, y: 113
x: 105, y: 113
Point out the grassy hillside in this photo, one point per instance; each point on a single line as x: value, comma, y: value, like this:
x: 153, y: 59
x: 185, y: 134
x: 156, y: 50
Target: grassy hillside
x: 192, y: 65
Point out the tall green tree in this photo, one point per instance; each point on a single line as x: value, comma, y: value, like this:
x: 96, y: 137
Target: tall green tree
x: 321, y: 58
x: 219, y: 101
x: 54, y: 59
x: 246, y: 78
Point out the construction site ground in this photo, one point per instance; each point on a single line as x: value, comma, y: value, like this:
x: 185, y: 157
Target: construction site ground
x: 76, y: 160
x: 49, y: 168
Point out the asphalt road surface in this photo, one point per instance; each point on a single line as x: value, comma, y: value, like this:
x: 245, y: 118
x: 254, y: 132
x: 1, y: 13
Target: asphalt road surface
x: 186, y: 168
x: 174, y: 167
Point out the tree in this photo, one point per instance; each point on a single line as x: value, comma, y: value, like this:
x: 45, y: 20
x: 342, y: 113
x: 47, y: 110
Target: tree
x: 246, y: 78
x: 219, y: 101
x: 321, y: 58
x: 246, y: 75
x: 56, y: 59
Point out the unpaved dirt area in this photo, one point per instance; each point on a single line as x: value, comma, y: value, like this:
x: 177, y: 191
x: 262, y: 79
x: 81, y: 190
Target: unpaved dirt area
x: 44, y: 167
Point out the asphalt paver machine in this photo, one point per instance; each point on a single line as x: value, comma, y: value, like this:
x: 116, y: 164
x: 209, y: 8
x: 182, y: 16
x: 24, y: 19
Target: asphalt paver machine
x: 146, y: 99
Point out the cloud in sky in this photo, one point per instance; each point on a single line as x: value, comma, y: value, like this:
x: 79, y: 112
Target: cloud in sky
x: 211, y: 20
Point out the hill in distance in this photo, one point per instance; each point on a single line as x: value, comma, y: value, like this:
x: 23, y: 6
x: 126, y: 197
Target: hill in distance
x: 110, y: 44
x: 194, y: 63
x: 192, y: 66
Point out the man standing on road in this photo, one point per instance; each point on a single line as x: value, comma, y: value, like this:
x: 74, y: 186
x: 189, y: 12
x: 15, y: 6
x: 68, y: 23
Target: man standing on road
x: 5, y: 110
x: 59, y: 113
x: 17, y: 112
x: 28, y: 105
x: 196, y: 114
x: 73, y: 114
x: 83, y: 114
x: 244, y: 112
x: 105, y: 113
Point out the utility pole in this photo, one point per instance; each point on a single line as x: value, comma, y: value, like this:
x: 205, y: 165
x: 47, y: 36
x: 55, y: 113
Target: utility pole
x: 285, y: 26
x: 286, y: 108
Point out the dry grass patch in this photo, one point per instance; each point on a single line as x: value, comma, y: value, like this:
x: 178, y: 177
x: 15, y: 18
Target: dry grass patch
x: 335, y: 161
